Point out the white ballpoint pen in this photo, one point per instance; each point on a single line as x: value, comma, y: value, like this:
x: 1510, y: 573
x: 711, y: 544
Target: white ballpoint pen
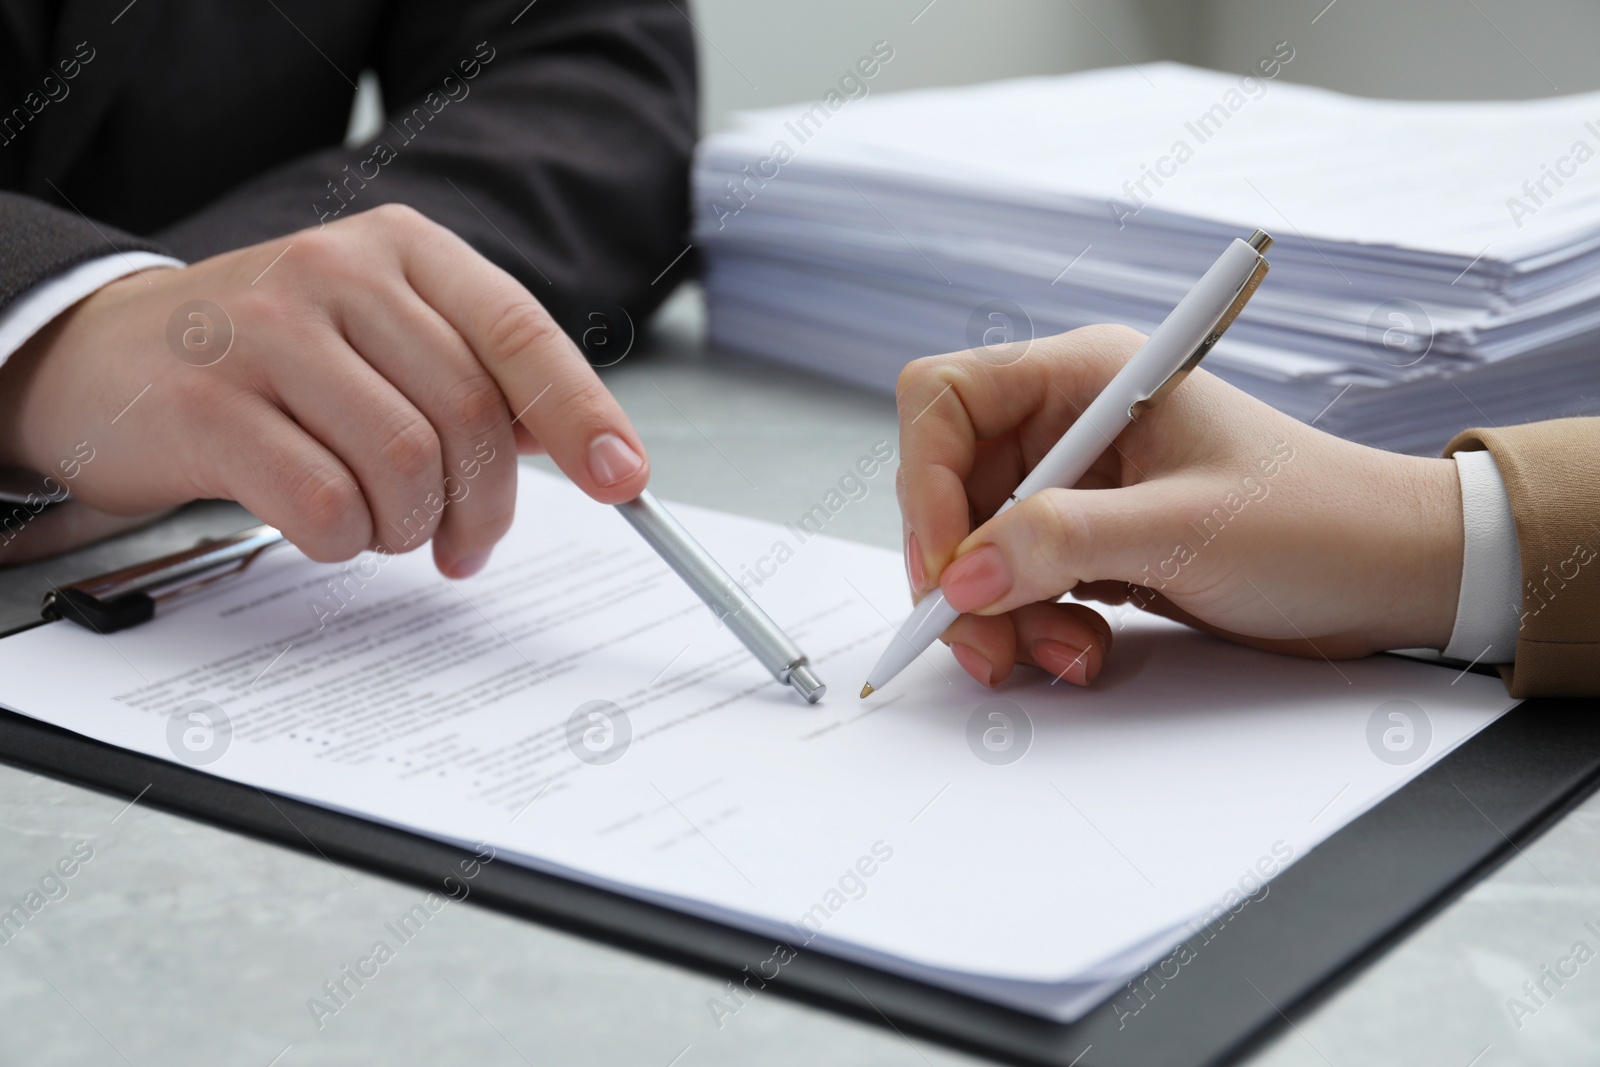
x: 1175, y: 348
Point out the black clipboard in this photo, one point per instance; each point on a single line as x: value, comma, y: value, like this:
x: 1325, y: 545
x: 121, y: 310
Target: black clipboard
x: 1247, y: 974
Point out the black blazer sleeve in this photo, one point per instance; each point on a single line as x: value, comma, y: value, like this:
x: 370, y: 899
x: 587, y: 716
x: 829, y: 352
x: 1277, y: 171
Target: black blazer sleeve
x: 565, y: 160
x: 38, y: 241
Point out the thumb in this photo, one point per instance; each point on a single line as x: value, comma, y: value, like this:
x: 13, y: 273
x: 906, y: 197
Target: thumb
x: 1051, y: 541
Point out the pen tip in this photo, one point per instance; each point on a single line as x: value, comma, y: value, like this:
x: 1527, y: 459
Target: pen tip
x: 866, y: 691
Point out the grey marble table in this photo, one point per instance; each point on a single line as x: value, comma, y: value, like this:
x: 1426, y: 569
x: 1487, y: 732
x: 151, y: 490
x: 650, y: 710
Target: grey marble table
x: 178, y: 943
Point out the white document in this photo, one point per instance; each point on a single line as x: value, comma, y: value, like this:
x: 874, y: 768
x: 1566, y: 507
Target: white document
x: 1034, y: 845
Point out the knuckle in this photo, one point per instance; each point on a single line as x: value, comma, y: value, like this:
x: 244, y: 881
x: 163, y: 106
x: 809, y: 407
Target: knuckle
x: 323, y: 253
x: 330, y: 509
x: 254, y: 304
x: 911, y: 375
x: 279, y: 329
x: 521, y: 327
x: 401, y: 218
x: 583, y: 396
x: 923, y: 379
x: 477, y: 409
x: 396, y: 212
x: 412, y: 450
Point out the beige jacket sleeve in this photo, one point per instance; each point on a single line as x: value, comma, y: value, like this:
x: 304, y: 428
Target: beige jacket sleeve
x: 1552, y: 475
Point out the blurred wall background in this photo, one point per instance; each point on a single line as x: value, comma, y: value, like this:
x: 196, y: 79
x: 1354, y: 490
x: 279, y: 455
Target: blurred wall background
x: 762, y: 52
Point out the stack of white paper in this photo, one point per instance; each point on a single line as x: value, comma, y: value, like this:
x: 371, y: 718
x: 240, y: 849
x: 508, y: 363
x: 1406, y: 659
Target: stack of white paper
x: 1435, y: 264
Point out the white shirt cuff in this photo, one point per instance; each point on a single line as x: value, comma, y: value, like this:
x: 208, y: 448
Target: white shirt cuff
x: 34, y: 310
x: 1489, y: 610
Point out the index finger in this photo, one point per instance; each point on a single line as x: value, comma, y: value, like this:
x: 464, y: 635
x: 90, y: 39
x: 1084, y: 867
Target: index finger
x: 948, y: 404
x: 548, y: 385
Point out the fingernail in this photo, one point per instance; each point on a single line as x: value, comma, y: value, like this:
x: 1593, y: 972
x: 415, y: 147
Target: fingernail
x: 466, y: 568
x: 1076, y: 665
x: 973, y: 662
x: 976, y: 579
x: 611, y: 460
x: 914, y: 568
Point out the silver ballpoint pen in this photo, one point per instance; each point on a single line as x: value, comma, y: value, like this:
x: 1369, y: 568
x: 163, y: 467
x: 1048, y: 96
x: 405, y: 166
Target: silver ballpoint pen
x: 724, y: 596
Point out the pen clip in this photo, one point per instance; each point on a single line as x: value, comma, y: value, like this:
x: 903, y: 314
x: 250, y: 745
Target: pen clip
x: 1203, y: 349
x: 122, y: 598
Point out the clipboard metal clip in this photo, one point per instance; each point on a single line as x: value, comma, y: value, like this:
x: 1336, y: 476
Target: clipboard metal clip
x: 127, y: 597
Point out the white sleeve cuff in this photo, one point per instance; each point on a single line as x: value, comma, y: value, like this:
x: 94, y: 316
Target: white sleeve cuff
x: 1489, y: 610
x: 32, y: 311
